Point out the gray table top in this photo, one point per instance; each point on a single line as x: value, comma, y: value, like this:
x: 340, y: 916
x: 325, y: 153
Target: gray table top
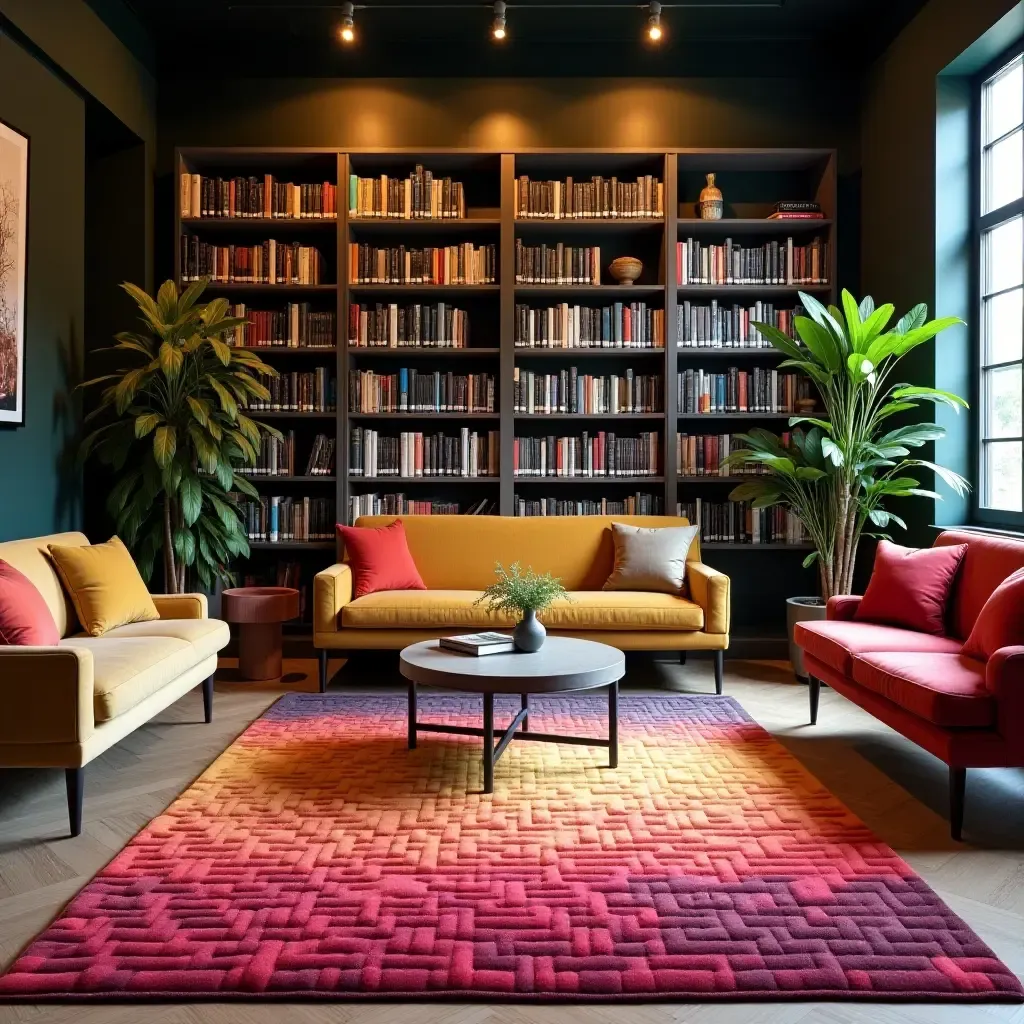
x: 563, y: 663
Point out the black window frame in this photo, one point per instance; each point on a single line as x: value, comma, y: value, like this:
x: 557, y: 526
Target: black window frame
x: 981, y: 223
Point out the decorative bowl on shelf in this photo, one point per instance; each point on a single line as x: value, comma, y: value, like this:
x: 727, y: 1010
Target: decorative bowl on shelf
x: 626, y: 269
x: 805, y: 406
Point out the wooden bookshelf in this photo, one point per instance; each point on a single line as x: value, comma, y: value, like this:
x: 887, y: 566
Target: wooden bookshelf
x: 751, y: 180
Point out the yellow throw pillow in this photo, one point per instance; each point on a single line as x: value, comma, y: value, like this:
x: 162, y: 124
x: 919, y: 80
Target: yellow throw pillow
x: 104, y: 585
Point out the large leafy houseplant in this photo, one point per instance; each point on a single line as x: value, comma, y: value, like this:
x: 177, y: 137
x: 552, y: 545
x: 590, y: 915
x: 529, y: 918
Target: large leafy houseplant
x: 836, y: 474
x: 177, y: 433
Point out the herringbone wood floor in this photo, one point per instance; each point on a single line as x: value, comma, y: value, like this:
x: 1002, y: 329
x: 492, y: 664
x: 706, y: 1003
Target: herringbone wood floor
x: 894, y: 787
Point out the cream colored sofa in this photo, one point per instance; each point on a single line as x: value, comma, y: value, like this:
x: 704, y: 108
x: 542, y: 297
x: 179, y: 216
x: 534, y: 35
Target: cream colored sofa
x: 64, y: 705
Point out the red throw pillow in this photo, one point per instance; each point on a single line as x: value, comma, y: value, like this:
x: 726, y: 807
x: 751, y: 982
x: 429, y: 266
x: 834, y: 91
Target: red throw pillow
x: 1001, y: 620
x: 25, y: 621
x: 380, y: 558
x: 909, y: 587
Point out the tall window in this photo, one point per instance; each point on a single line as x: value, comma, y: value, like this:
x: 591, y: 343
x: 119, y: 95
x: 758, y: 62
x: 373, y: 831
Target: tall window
x: 1000, y: 240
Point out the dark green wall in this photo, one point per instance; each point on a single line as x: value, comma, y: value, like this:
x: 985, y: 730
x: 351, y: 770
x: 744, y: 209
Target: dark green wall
x: 510, y: 113
x: 913, y: 227
x: 40, y: 491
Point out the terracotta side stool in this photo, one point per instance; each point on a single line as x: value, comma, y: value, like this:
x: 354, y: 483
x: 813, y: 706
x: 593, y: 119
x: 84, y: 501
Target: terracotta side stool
x: 258, y: 613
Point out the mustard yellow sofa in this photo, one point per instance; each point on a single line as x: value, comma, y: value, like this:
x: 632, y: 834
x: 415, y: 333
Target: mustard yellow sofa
x: 64, y: 705
x: 456, y: 556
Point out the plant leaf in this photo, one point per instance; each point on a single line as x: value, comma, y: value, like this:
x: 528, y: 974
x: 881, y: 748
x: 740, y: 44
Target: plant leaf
x: 147, y: 422
x: 165, y: 444
x: 190, y: 494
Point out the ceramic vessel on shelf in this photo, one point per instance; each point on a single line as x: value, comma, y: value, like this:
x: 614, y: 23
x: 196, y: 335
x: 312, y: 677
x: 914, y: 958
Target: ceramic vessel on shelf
x: 626, y: 269
x: 711, y: 203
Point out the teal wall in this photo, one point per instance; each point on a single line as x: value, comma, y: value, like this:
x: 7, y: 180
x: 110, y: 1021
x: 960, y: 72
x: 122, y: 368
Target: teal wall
x: 40, y: 489
x: 914, y: 186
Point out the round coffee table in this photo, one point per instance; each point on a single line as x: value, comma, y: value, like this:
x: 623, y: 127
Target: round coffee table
x: 561, y: 665
x: 259, y: 612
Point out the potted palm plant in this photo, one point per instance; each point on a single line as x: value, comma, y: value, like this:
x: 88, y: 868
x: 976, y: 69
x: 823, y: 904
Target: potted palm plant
x: 524, y: 593
x: 176, y: 434
x: 837, y: 473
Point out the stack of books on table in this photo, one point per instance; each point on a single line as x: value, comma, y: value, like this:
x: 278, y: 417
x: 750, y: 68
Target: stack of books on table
x: 478, y: 643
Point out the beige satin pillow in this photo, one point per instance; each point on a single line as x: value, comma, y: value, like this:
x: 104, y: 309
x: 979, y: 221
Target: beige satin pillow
x: 650, y: 558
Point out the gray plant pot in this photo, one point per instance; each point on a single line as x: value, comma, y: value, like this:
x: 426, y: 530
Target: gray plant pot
x: 529, y: 633
x: 801, y: 609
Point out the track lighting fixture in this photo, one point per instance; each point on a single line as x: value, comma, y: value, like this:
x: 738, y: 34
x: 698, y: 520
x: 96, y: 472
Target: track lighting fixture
x: 498, y: 25
x: 654, y: 22
x: 348, y: 22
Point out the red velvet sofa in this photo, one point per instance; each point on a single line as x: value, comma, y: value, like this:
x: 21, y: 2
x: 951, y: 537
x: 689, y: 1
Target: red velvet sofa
x: 968, y: 713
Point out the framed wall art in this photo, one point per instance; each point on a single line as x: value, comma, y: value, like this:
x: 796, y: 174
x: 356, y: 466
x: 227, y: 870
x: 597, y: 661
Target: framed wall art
x: 13, y: 270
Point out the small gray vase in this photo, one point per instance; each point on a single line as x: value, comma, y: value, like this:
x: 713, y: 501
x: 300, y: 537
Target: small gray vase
x: 529, y: 633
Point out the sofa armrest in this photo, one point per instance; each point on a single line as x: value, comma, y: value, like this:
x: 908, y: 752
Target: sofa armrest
x: 1004, y: 679
x: 710, y: 589
x: 181, y: 606
x: 47, y: 695
x: 843, y: 607
x: 332, y: 590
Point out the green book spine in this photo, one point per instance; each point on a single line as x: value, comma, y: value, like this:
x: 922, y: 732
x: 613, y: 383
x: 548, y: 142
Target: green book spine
x: 353, y: 185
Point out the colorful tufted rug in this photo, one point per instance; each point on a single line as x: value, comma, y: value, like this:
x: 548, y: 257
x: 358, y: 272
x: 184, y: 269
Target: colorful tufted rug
x: 319, y: 858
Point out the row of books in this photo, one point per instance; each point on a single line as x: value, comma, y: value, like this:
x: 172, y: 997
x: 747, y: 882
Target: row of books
x: 389, y: 325
x: 278, y: 518
x: 277, y: 457
x: 400, y: 504
x: 254, y: 196
x: 638, y: 504
x: 557, y: 264
x: 270, y: 262
x: 718, y: 326
x: 306, y: 391
x: 705, y: 455
x: 413, y: 453
x: 735, y: 522
x: 416, y: 391
x: 621, y: 325
x: 419, y: 196
x: 453, y: 264
x: 757, y: 390
x: 570, y: 391
x: 600, y: 197
x: 586, y: 455
x: 296, y: 326
x: 774, y: 262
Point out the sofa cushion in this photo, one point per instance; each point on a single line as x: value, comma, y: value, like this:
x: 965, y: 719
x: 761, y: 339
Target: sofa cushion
x: 104, y: 585
x: 380, y: 558
x: 1001, y: 621
x: 946, y: 689
x: 836, y: 642
x: 126, y: 670
x: 456, y: 609
x: 910, y: 587
x: 208, y: 636
x: 651, y: 559
x: 25, y: 621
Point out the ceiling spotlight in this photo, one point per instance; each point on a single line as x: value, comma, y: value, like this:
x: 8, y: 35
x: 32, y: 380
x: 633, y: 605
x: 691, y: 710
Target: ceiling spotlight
x: 348, y: 23
x: 654, y: 22
x: 498, y: 25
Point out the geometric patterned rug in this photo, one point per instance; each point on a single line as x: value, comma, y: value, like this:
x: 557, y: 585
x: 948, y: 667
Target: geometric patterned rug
x: 318, y: 858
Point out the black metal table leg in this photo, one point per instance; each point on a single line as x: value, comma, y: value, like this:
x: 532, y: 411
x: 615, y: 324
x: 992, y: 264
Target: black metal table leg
x: 526, y: 708
x: 488, y: 742
x: 613, y: 725
x: 412, y: 716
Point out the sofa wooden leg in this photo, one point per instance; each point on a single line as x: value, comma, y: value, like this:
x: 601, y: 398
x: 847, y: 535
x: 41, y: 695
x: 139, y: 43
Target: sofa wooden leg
x: 208, y: 700
x: 323, y: 670
x: 682, y: 657
x: 74, y: 779
x: 814, y: 691
x: 719, y: 672
x: 957, y: 790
